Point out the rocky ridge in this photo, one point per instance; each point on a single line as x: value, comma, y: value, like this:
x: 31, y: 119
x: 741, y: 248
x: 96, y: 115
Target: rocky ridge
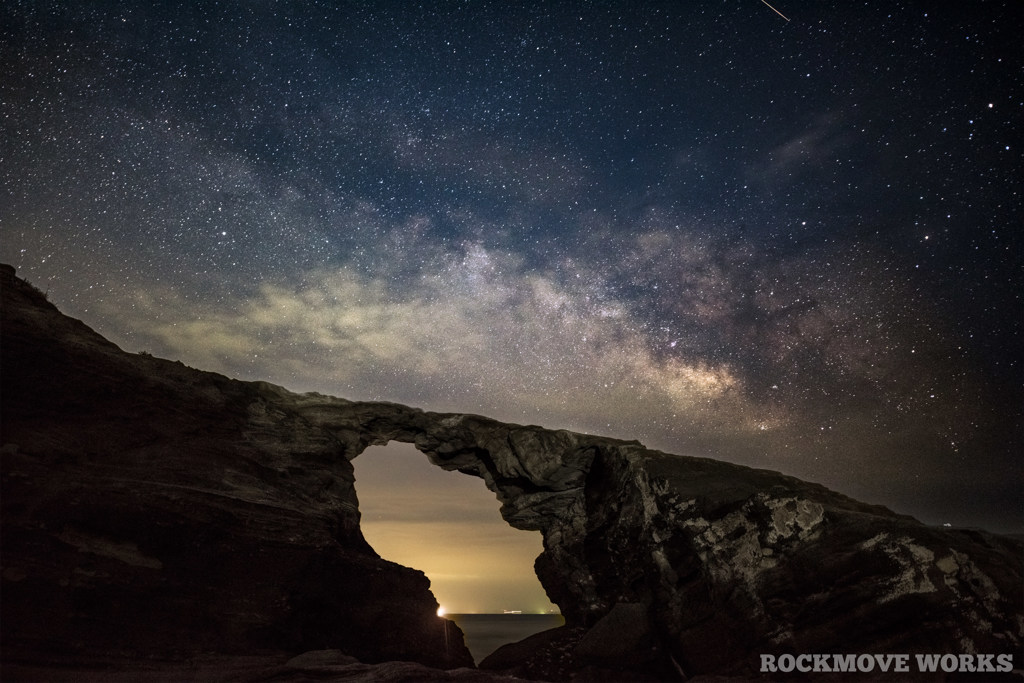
x: 153, y: 510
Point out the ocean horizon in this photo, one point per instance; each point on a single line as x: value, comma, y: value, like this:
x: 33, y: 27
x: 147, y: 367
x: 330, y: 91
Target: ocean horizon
x: 485, y: 633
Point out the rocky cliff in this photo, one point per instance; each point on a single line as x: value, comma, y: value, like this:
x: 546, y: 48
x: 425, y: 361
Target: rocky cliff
x: 153, y: 510
x: 150, y: 509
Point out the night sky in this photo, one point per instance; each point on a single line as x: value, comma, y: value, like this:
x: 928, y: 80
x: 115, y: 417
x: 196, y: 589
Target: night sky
x: 787, y: 244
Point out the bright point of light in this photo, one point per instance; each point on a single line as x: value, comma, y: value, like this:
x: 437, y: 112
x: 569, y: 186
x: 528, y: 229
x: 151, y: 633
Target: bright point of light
x: 440, y: 611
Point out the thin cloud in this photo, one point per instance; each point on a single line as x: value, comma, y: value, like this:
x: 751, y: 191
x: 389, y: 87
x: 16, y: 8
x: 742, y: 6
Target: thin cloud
x: 806, y: 152
x: 473, y: 334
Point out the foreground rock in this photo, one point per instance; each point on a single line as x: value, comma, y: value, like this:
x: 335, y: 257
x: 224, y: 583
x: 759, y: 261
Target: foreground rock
x: 321, y: 665
x: 154, y: 510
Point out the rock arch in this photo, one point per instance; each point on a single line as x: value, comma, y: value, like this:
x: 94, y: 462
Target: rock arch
x: 538, y: 475
x: 179, y: 511
x: 723, y: 560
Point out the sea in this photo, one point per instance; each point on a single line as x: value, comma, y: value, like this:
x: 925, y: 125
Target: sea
x: 485, y: 633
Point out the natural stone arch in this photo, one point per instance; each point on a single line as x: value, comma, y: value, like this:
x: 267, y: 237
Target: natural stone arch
x: 710, y: 551
x: 715, y: 560
x: 540, y: 477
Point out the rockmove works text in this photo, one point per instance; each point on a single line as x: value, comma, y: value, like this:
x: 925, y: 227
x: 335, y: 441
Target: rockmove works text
x: 861, y: 663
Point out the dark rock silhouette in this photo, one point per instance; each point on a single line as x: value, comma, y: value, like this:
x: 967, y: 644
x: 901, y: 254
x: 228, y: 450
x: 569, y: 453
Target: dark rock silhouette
x: 153, y: 510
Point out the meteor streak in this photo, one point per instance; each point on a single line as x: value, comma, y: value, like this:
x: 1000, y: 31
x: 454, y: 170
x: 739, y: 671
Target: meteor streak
x: 775, y: 10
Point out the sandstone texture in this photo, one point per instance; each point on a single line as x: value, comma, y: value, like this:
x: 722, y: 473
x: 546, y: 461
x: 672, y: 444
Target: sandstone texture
x: 154, y: 510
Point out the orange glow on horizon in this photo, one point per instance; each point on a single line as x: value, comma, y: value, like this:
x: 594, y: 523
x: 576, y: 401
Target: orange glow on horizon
x: 447, y: 525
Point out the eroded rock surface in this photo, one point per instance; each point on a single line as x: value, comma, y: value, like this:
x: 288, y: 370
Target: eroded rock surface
x: 726, y: 560
x: 218, y: 514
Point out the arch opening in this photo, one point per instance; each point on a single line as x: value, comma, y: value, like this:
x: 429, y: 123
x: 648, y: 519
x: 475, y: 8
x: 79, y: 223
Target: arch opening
x: 448, y: 525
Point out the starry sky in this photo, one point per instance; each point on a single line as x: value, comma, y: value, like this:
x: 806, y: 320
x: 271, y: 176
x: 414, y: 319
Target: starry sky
x: 786, y: 242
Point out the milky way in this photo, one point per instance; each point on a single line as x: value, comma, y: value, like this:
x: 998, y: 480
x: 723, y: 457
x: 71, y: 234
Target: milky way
x: 789, y: 245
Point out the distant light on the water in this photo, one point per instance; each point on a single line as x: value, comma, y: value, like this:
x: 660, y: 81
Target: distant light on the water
x: 440, y: 611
